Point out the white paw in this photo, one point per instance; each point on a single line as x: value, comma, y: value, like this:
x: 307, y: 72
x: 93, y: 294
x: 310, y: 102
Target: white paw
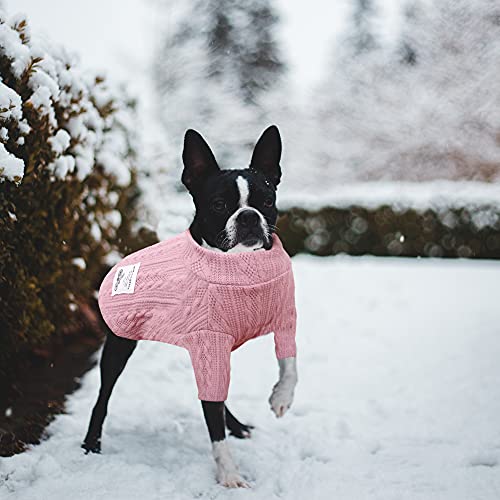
x: 227, y: 472
x: 281, y: 397
x: 231, y: 479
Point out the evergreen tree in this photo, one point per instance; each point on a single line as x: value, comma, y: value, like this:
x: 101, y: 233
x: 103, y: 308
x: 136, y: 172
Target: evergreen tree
x: 361, y: 37
x: 408, y: 43
x: 241, y: 40
x: 215, y: 67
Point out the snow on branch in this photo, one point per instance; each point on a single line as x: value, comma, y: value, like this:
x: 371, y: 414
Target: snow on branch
x: 46, y: 97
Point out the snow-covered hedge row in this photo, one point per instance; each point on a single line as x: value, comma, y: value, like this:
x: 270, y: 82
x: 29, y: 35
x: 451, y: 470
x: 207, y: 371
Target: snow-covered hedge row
x: 388, y: 230
x: 437, y: 219
x: 67, y: 185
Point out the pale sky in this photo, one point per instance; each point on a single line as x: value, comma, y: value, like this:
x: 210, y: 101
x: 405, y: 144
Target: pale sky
x: 309, y: 29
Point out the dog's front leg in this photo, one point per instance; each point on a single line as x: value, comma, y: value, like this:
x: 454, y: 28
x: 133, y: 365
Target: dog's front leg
x: 282, y: 394
x: 227, y: 472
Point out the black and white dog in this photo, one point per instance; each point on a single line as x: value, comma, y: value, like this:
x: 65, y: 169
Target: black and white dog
x: 235, y: 212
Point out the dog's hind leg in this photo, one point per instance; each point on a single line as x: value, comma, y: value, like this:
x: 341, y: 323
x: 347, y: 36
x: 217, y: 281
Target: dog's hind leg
x: 115, y: 355
x: 236, y: 428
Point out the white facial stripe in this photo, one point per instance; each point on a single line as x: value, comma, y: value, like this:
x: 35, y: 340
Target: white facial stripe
x: 244, y: 191
x: 242, y: 185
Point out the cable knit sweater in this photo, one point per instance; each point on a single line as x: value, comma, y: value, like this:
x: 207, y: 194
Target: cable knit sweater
x: 206, y: 301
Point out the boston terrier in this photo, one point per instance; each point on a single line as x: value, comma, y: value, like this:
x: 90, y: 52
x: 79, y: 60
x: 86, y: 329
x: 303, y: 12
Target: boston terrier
x: 235, y: 212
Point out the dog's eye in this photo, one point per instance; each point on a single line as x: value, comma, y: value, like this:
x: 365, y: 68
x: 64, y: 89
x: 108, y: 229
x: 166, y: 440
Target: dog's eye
x: 219, y: 205
x: 268, y: 202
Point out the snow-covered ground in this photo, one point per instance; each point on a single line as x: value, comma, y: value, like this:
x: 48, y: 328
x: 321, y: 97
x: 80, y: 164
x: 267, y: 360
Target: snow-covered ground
x: 397, y: 399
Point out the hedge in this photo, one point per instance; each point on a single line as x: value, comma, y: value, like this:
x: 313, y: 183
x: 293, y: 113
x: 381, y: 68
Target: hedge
x: 67, y: 188
x: 467, y: 232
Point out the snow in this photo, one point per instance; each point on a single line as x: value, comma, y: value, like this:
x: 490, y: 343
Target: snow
x: 95, y: 231
x: 416, y: 195
x: 79, y: 262
x: 11, y: 168
x: 62, y: 165
x: 13, y: 47
x: 116, y: 166
x: 10, y: 103
x: 60, y: 141
x: 398, y: 378
x: 114, y: 217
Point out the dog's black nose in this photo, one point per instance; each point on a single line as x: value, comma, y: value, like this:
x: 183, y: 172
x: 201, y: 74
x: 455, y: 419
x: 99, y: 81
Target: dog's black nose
x: 248, y: 218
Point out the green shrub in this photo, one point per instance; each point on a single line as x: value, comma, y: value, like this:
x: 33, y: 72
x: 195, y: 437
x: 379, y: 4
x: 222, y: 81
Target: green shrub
x: 67, y: 188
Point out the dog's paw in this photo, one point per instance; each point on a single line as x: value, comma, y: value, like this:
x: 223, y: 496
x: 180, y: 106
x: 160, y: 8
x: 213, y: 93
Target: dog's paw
x: 231, y: 479
x: 92, y: 446
x: 240, y: 431
x: 281, y: 398
x: 227, y: 472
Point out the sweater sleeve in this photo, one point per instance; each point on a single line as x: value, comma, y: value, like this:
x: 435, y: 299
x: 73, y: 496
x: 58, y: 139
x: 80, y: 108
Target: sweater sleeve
x: 210, y: 354
x: 286, y: 319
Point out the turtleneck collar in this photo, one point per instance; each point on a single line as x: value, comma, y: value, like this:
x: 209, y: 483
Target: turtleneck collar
x: 244, y: 269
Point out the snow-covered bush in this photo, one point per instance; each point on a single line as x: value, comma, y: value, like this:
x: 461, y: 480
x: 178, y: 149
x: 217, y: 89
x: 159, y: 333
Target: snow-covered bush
x: 67, y: 185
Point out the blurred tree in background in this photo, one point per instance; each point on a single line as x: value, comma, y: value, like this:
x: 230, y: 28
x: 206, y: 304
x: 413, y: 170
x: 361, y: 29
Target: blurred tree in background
x: 242, y: 46
x: 408, y: 39
x: 216, y: 64
x: 361, y: 36
x: 424, y: 106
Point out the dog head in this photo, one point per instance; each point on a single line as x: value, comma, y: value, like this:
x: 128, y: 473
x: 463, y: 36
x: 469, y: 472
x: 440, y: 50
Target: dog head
x: 235, y: 209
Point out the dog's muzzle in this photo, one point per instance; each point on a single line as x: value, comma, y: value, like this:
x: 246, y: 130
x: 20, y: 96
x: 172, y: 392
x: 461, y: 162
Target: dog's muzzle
x: 251, y: 228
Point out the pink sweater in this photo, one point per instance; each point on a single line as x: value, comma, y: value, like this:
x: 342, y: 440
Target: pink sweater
x: 206, y: 301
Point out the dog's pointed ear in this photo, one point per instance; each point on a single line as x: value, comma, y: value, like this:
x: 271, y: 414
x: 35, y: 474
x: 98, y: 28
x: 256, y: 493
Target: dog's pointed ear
x: 199, y: 161
x: 267, y: 154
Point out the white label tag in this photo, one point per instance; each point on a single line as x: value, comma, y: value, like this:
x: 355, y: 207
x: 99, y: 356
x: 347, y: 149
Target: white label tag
x: 124, y: 279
